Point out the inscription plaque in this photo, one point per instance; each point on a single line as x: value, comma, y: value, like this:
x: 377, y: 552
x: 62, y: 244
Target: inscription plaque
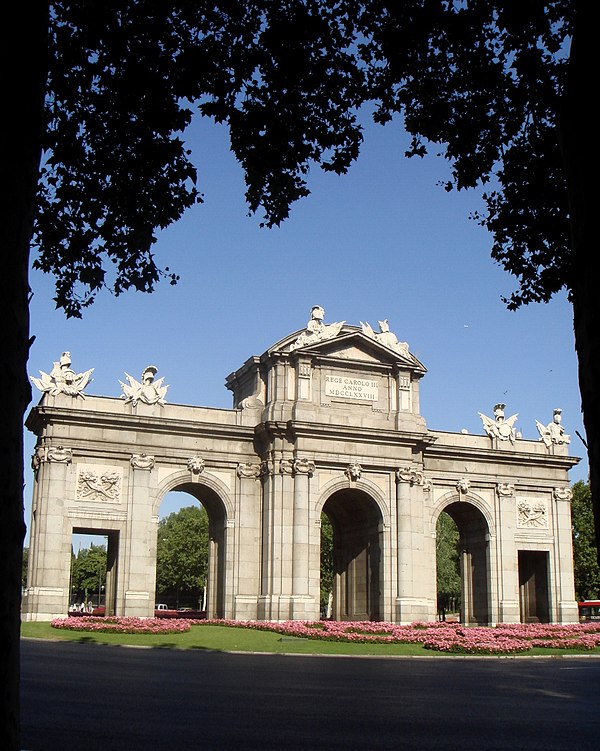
x: 345, y: 387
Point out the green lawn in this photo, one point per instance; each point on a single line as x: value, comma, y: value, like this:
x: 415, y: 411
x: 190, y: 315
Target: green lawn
x: 230, y: 639
x: 224, y: 638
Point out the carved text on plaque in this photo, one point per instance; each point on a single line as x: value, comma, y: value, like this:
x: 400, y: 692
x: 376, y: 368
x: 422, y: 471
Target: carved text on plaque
x: 345, y: 387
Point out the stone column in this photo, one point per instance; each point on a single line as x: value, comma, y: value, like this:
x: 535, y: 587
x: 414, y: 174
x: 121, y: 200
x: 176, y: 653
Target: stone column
x: 47, y: 593
x: 303, y: 605
x: 277, y: 548
x: 416, y: 550
x: 566, y: 606
x: 140, y: 555
x: 506, y: 566
x: 247, y: 553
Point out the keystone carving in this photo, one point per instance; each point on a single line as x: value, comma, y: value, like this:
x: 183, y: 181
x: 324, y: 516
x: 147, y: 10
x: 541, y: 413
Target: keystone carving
x: 463, y: 486
x: 196, y: 465
x: 353, y: 471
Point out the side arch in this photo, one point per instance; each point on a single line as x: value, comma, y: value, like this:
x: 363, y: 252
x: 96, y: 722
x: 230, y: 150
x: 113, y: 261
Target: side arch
x: 472, y: 498
x: 182, y: 478
x: 475, y: 525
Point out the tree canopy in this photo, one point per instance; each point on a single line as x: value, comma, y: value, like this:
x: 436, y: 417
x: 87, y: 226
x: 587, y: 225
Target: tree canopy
x: 182, y: 557
x: 585, y: 549
x: 103, y: 90
x: 480, y: 82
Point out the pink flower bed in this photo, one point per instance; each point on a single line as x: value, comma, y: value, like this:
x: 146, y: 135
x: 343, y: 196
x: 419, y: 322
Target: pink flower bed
x: 441, y: 637
x: 120, y: 625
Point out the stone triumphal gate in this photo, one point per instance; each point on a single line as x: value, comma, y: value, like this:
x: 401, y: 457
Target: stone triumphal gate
x: 327, y: 420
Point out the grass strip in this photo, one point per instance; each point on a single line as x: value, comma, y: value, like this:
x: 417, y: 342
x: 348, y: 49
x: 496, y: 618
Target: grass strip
x: 233, y: 639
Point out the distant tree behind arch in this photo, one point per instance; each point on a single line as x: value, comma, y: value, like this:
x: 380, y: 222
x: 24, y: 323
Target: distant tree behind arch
x: 182, y: 557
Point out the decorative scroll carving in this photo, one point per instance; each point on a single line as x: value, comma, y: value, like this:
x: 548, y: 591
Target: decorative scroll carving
x: 142, y: 461
x: 413, y: 476
x: 532, y: 514
x: 303, y: 467
x: 249, y: 469
x: 147, y: 391
x: 353, y: 471
x: 553, y: 433
x: 386, y: 337
x: 196, y: 465
x: 499, y: 428
x: 563, y: 494
x: 251, y: 402
x: 505, y: 489
x: 286, y: 466
x: 267, y: 468
x: 62, y: 379
x: 316, y: 330
x: 99, y: 483
x: 57, y: 454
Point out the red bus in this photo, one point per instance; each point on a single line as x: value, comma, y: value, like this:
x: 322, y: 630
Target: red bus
x: 589, y: 610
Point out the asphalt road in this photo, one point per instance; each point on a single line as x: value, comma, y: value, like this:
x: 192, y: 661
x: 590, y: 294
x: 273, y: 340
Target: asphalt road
x: 85, y: 696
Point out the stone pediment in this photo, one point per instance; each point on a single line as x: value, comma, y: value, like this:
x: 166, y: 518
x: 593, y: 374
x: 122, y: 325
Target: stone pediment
x: 351, y: 344
x: 358, y: 347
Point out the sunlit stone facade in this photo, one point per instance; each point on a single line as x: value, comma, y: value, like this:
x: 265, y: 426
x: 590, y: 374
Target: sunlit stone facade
x: 327, y: 420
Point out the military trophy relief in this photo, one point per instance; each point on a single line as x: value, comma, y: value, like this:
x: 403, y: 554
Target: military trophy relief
x: 62, y: 379
x: 147, y: 391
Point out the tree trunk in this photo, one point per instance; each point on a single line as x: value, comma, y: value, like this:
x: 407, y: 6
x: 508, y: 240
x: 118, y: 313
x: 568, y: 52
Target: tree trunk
x: 24, y: 45
x: 579, y: 148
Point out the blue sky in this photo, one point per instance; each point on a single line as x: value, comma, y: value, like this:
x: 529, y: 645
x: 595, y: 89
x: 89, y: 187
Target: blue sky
x: 383, y: 241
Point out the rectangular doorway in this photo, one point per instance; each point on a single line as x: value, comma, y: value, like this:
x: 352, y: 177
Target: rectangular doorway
x: 533, y: 586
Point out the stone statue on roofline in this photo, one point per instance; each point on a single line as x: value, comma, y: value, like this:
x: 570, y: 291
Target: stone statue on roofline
x: 147, y: 391
x: 316, y: 331
x: 553, y: 433
x: 63, y: 379
x: 500, y: 428
x: 385, y: 336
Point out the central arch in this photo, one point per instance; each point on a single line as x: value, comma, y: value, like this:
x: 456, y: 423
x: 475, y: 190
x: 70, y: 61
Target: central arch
x: 357, y: 554
x: 217, y: 525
